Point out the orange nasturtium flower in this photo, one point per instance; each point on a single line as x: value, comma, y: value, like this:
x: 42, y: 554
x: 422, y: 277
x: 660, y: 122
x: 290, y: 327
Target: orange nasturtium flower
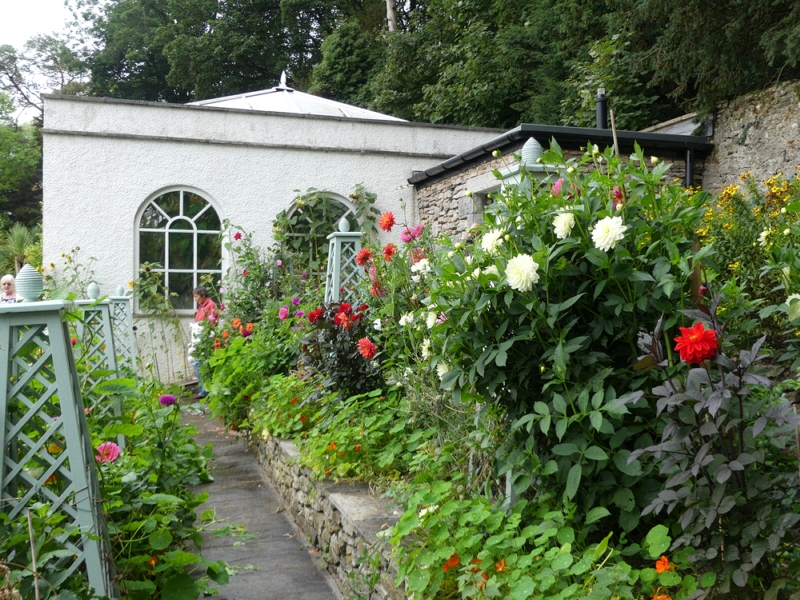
x: 661, y: 597
x: 236, y: 323
x: 152, y: 562
x: 451, y: 563
x: 501, y: 566
x: 663, y: 564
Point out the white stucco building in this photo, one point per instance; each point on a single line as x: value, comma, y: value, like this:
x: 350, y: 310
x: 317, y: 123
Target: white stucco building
x: 132, y: 181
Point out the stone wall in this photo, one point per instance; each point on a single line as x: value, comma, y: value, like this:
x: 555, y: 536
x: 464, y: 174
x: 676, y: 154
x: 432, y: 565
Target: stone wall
x: 343, y: 521
x: 759, y: 133
x: 447, y: 209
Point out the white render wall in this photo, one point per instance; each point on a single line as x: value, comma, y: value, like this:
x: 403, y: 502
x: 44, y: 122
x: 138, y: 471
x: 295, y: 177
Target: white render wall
x: 104, y: 159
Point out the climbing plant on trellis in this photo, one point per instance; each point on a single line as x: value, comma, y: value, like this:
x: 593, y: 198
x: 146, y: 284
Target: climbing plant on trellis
x: 46, y: 451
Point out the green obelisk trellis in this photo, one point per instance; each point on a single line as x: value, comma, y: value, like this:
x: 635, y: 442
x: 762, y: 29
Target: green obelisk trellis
x: 343, y: 272
x: 96, y: 335
x: 46, y: 450
x: 122, y: 328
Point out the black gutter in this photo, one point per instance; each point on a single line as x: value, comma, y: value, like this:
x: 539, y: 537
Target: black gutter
x: 569, y: 138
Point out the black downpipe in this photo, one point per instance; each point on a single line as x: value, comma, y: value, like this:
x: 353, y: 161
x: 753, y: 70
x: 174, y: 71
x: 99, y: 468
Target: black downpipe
x: 688, y: 178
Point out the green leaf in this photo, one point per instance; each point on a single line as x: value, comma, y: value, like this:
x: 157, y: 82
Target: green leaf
x: 597, y: 513
x: 159, y: 498
x: 596, y: 419
x: 669, y: 578
x: 562, y: 561
x: 523, y: 588
x: 657, y: 541
x: 180, y: 587
x: 160, y: 540
x: 501, y: 358
x: 217, y: 572
x: 116, y: 429
x: 595, y: 453
x: 559, y: 404
x: 709, y: 579
x: 418, y: 579
x: 118, y: 387
x: 573, y: 481
x: 564, y: 449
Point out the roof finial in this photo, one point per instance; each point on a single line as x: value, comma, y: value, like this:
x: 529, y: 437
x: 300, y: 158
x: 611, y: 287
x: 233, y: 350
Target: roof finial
x: 283, y: 79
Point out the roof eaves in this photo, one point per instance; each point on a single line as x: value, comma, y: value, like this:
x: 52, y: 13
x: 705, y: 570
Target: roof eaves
x: 567, y: 137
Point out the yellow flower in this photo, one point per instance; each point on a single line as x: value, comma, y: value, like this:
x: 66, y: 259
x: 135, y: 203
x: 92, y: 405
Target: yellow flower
x: 734, y: 265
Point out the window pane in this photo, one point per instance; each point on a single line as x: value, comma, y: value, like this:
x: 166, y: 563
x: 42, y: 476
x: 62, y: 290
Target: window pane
x: 181, y: 224
x: 208, y: 220
x: 152, y: 218
x: 169, y: 203
x: 181, y: 251
x: 209, y: 251
x: 192, y: 204
x: 151, y: 247
x: 181, y: 284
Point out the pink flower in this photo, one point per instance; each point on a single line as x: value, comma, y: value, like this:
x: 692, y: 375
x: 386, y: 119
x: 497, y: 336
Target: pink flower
x: 619, y: 198
x: 237, y: 236
x: 167, y: 400
x: 246, y: 333
x: 279, y: 262
x: 556, y: 189
x: 108, y: 452
x: 283, y: 313
x: 244, y: 272
x: 304, y: 276
x: 373, y: 273
x: 442, y: 318
x: 299, y: 313
x: 409, y: 234
x: 295, y: 300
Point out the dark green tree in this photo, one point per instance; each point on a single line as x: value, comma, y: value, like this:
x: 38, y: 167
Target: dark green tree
x: 20, y: 168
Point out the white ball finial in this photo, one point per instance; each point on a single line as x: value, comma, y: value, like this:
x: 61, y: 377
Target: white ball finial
x: 93, y: 291
x: 29, y: 284
x: 344, y: 225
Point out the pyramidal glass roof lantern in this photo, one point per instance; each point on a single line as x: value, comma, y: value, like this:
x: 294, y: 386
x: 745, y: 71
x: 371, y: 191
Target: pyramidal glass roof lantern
x: 283, y: 99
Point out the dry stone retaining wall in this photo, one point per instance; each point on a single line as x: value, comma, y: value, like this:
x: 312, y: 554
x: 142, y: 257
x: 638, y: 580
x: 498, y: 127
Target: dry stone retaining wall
x: 342, y: 521
x: 759, y: 133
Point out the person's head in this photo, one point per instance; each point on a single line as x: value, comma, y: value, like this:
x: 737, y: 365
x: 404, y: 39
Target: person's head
x: 7, y: 284
x: 200, y: 294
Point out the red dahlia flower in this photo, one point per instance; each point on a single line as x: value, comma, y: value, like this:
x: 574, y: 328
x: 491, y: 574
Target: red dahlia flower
x: 315, y: 315
x: 386, y: 222
x: 364, y: 257
x: 367, y: 349
x: 696, y: 343
x: 342, y: 320
x: 389, y: 250
x: 237, y: 236
x: 345, y: 308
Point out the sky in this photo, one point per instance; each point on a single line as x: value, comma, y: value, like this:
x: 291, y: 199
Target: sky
x: 22, y: 19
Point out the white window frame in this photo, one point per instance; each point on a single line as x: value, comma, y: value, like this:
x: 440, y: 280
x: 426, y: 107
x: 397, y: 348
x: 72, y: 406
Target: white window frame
x: 195, y: 271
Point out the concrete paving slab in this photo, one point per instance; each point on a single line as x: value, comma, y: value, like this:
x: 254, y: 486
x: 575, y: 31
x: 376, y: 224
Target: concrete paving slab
x: 278, y: 564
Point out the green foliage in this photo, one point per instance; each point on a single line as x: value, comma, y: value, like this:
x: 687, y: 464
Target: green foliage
x: 331, y: 349
x: 350, y: 58
x: 20, y: 167
x: 730, y: 481
x: 241, y: 366
x: 612, y: 69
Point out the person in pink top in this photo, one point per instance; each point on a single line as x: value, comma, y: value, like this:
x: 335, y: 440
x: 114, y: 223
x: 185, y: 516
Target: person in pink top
x: 206, y: 309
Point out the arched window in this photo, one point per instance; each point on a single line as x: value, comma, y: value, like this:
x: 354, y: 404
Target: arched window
x: 180, y: 231
x: 308, y: 222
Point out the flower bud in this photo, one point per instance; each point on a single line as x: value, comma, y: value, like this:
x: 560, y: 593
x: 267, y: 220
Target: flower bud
x: 783, y: 210
x: 595, y: 150
x: 539, y: 160
x: 496, y: 153
x: 469, y: 194
x: 787, y: 231
x: 654, y: 160
x: 570, y: 170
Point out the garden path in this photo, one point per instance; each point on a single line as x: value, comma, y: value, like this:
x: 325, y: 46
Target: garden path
x: 277, y: 564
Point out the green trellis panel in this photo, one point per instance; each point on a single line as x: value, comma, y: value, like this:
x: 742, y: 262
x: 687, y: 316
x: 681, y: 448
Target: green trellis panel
x: 97, y: 338
x: 122, y: 328
x: 343, y: 272
x: 46, y: 448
